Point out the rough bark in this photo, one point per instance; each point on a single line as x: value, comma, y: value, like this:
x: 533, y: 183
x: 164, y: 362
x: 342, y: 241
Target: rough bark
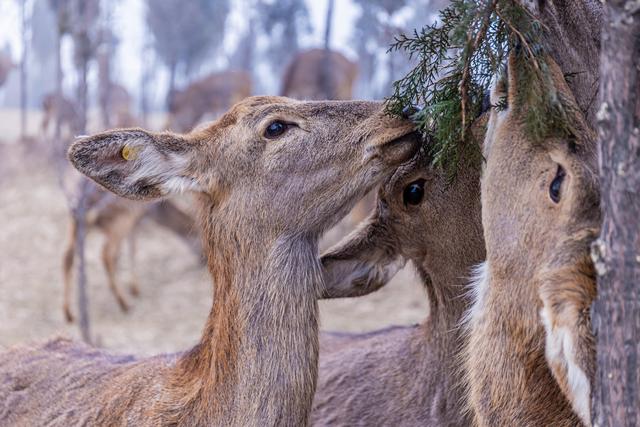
x: 616, y: 312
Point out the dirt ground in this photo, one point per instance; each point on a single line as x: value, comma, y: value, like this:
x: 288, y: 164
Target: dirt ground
x: 175, y: 290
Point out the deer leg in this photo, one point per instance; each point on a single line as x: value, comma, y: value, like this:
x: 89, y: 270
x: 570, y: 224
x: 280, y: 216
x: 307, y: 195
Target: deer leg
x: 133, y: 286
x: 67, y: 265
x: 110, y: 252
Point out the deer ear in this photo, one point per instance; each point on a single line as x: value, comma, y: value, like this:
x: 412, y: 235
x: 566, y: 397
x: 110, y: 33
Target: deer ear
x: 137, y: 164
x: 362, y: 263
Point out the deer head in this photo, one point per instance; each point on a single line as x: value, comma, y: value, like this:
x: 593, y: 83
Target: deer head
x: 277, y: 161
x: 420, y: 215
x: 540, y: 210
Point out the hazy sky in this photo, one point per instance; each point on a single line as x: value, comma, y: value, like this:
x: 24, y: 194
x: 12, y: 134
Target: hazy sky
x: 129, y: 26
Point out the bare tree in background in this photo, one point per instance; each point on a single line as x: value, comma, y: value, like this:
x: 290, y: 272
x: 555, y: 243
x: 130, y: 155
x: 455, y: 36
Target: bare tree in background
x: 326, y: 78
x: 106, y: 49
x: 244, y: 56
x: 284, y: 21
x: 61, y: 8
x: 146, y: 75
x: 24, y: 29
x: 186, y: 32
x: 374, y: 33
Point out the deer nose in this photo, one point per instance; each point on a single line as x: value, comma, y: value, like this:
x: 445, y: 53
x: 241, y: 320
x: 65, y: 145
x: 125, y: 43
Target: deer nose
x: 409, y: 111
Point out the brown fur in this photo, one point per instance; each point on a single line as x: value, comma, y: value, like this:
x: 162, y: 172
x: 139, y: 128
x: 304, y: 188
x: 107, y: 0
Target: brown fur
x: 318, y: 74
x: 118, y: 219
x: 537, y: 256
x: 404, y: 375
x: 211, y: 95
x: 264, y: 204
x: 572, y: 29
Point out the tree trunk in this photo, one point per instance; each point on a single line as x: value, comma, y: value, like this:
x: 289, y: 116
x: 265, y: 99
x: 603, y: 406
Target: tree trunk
x: 84, y: 14
x: 80, y: 213
x: 23, y: 72
x: 172, y: 84
x: 616, y: 312
x: 59, y: 77
x: 327, y: 83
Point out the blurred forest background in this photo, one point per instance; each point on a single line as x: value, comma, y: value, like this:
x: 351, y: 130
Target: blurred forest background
x: 70, y: 67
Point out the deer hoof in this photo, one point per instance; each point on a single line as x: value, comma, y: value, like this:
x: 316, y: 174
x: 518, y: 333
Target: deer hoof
x: 134, y: 290
x: 123, y: 305
x: 67, y: 315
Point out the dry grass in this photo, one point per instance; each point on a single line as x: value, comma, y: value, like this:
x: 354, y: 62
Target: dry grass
x: 176, y: 291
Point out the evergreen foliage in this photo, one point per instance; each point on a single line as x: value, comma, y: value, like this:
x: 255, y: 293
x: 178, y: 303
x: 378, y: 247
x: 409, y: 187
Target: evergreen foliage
x: 456, y: 60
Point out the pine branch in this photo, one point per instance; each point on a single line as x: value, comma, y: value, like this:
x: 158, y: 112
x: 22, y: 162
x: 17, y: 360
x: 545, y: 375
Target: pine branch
x: 456, y: 61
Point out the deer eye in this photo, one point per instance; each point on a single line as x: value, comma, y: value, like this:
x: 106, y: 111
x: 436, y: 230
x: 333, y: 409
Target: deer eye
x: 556, y: 185
x: 413, y: 193
x: 275, y: 129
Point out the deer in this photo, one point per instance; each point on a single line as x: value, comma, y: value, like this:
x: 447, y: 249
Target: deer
x: 59, y: 109
x: 118, y: 220
x: 6, y: 65
x: 211, y: 95
x: 404, y: 375
x: 271, y: 175
x: 318, y: 74
x: 529, y: 358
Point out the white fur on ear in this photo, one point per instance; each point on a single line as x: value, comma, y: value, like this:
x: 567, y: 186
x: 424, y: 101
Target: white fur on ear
x: 165, y: 169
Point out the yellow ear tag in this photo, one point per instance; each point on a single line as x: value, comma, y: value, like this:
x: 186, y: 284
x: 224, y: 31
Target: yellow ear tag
x: 129, y: 153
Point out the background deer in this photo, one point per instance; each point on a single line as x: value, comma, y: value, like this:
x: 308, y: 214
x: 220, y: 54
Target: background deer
x: 318, y: 74
x: 272, y: 175
x: 529, y: 328
x: 404, y: 375
x: 118, y: 219
x: 6, y: 65
x: 59, y: 109
x: 209, y: 96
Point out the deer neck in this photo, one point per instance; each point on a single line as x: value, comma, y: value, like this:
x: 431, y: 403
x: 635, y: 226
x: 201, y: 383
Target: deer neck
x: 256, y: 363
x: 445, y: 269
x: 505, y: 351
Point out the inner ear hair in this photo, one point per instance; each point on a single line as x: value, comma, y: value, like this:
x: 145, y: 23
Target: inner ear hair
x: 135, y: 163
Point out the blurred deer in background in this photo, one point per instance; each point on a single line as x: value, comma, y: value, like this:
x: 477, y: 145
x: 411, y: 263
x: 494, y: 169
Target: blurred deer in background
x: 118, y: 103
x: 319, y: 74
x: 256, y: 363
x: 530, y: 356
x: 57, y: 109
x: 119, y: 219
x: 6, y: 65
x: 207, y: 98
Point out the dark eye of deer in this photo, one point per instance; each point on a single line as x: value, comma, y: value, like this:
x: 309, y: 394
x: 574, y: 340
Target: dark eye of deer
x: 413, y: 193
x: 556, y: 185
x: 275, y: 129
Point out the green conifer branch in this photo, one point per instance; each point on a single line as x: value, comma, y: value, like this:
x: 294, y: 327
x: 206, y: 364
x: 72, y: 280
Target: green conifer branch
x: 456, y: 60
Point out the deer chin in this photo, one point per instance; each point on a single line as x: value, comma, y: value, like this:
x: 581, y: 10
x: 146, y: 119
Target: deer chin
x: 395, y: 150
